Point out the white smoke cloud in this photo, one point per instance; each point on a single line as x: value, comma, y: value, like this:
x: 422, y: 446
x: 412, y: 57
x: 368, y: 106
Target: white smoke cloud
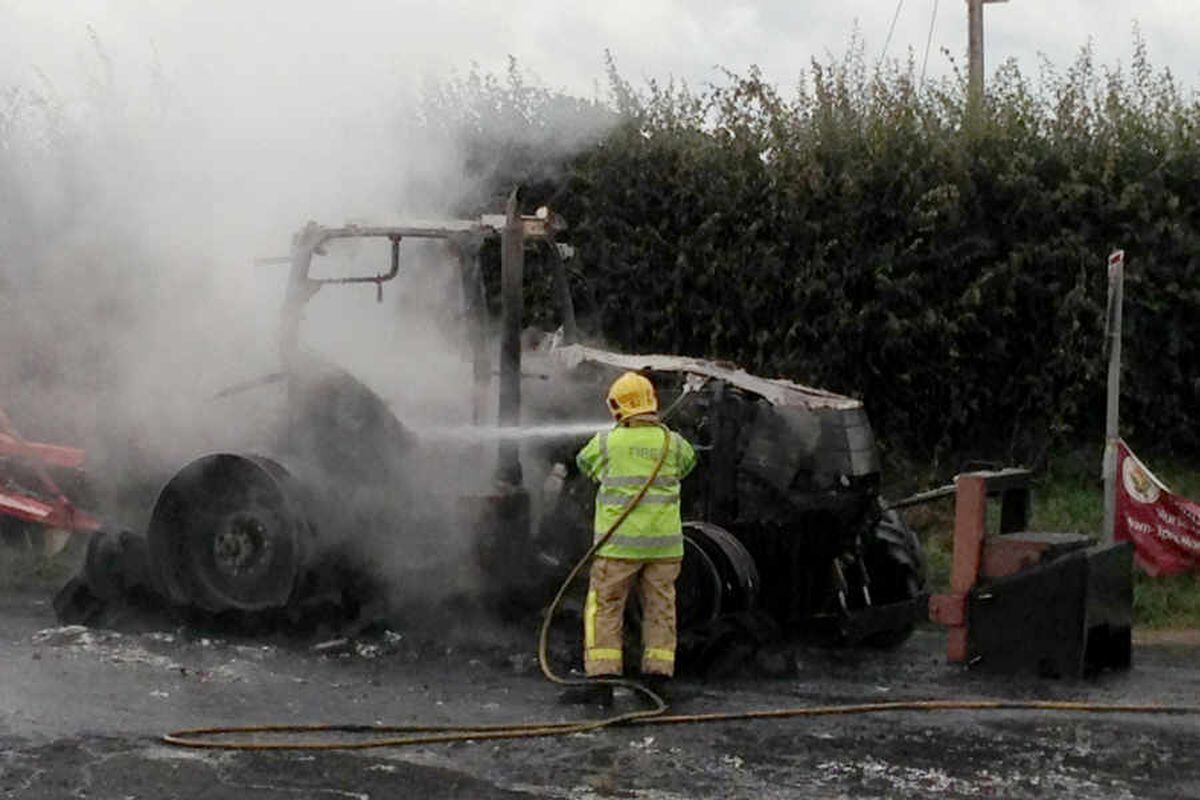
x: 149, y: 155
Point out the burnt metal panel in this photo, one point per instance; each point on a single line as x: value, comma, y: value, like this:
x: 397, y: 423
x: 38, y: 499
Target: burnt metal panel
x: 847, y: 443
x: 725, y: 419
x: 860, y: 438
x: 782, y: 443
x: 776, y: 391
x: 1068, y: 617
x: 858, y: 431
x: 1032, y: 621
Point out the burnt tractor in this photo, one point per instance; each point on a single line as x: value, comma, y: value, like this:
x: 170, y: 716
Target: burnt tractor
x: 785, y: 517
x: 784, y: 513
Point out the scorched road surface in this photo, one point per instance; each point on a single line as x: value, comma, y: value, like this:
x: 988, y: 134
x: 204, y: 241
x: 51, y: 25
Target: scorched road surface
x: 81, y: 713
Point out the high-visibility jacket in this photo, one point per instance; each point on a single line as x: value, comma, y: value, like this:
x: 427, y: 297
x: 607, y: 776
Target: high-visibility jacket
x: 621, y: 460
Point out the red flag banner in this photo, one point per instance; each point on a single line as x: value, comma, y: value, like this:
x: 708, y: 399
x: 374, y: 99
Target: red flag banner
x: 1164, y: 527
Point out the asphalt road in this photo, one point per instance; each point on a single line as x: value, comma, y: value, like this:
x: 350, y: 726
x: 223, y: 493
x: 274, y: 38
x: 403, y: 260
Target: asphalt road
x: 81, y: 713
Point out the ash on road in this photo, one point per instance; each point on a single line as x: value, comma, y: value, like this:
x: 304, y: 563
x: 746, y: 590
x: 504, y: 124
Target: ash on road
x: 81, y: 712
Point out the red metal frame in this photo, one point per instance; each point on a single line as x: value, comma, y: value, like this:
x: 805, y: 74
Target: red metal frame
x: 978, y: 555
x: 51, y: 507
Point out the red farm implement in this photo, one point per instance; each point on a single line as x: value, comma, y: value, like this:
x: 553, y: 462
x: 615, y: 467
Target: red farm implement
x: 36, y: 512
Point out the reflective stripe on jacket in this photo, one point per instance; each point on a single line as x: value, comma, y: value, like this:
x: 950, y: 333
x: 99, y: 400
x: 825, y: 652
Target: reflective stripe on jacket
x: 621, y: 460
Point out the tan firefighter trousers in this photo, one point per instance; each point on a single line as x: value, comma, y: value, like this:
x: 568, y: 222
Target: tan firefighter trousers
x: 604, y: 614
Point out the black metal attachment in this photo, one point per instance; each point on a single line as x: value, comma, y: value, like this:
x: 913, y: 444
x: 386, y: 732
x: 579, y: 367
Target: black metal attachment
x: 1065, y: 617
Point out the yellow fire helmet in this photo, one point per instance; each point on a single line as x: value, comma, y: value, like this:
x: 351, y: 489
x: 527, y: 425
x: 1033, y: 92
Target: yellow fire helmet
x: 630, y: 395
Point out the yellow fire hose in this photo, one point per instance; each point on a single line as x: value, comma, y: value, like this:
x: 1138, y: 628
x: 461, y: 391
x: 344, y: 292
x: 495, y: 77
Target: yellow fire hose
x: 375, y: 736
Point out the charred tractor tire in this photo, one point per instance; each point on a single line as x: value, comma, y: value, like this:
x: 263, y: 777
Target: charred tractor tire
x: 717, y: 585
x: 718, y: 576
x: 895, y: 561
x: 228, y: 534
x: 75, y: 604
x: 115, y: 564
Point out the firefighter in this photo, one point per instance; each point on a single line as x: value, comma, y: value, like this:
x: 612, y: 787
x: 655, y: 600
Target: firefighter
x: 646, y: 549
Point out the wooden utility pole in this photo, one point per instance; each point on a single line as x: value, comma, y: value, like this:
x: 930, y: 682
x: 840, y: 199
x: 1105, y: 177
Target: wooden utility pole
x: 975, y: 52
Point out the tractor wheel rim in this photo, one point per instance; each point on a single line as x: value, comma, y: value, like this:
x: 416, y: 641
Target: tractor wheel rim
x: 242, y: 547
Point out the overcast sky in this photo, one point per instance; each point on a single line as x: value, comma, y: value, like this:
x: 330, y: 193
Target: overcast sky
x: 335, y: 46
